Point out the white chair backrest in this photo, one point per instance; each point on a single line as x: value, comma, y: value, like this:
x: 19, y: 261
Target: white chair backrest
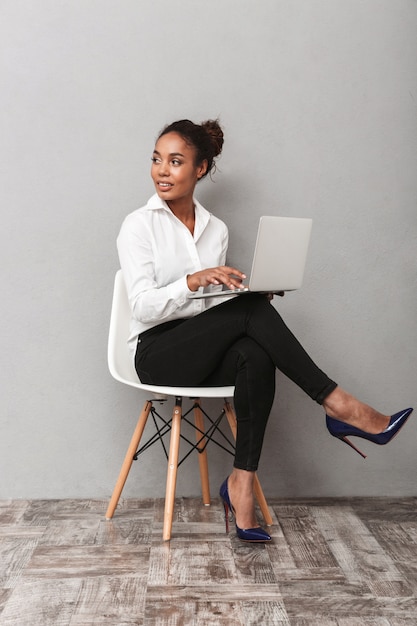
x: 120, y: 360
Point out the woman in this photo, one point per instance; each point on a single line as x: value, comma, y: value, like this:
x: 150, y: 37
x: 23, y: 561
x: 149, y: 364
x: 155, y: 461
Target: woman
x: 172, y: 247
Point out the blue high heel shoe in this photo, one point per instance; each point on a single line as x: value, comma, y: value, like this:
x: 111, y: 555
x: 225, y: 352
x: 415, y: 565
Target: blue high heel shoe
x: 341, y: 430
x: 258, y: 534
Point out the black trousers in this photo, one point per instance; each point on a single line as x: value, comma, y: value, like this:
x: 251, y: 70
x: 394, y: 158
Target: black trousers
x: 239, y: 342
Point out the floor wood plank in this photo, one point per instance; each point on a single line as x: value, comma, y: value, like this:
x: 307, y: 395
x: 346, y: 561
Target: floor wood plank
x: 77, y: 561
x: 36, y: 601
x: 110, y: 600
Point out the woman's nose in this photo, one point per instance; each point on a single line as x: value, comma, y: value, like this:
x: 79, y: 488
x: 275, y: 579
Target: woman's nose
x: 163, y: 169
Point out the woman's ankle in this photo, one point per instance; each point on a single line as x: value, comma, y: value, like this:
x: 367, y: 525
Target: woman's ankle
x: 242, y: 479
x: 240, y: 486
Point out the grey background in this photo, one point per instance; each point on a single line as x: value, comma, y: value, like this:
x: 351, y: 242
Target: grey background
x: 318, y: 103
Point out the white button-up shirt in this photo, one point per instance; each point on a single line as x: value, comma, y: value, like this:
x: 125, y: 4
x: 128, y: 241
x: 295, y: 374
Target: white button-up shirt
x: 156, y: 252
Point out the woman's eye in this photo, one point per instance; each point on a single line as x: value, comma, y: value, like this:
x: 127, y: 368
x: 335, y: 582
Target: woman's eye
x: 155, y: 160
x: 175, y: 162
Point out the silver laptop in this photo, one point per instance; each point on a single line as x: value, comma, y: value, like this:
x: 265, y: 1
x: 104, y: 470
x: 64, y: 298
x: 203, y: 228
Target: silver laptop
x: 279, y: 258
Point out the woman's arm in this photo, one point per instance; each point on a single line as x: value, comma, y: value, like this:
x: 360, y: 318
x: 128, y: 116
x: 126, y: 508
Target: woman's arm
x: 161, y: 265
x: 150, y: 301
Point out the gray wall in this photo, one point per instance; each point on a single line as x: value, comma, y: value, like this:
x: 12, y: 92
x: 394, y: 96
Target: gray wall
x: 318, y: 102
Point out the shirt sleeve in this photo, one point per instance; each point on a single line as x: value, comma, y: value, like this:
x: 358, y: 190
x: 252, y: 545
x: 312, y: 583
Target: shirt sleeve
x: 150, y: 303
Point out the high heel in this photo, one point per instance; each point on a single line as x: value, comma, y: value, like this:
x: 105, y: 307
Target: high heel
x: 341, y: 430
x: 253, y: 535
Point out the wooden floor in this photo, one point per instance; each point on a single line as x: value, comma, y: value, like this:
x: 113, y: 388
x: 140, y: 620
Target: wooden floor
x: 331, y: 562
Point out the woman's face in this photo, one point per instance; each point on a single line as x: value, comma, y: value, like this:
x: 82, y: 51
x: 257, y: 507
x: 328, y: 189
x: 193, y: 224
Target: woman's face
x: 174, y: 171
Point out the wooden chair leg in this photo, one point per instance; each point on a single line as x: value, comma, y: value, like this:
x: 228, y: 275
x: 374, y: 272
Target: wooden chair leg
x: 259, y: 494
x: 127, y: 463
x: 174, y: 446
x: 202, y: 454
x: 263, y: 504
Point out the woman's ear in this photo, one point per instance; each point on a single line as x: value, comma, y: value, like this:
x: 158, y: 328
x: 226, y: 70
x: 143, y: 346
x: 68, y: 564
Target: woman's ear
x: 202, y: 169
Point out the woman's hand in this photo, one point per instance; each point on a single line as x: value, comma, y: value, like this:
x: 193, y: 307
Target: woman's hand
x: 270, y: 295
x: 224, y: 275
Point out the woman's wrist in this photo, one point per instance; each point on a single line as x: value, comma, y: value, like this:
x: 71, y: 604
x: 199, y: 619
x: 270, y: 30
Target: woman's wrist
x: 192, y: 286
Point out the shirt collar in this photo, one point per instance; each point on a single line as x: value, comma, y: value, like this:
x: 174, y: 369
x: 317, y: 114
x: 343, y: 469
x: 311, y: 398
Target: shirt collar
x: 202, y: 216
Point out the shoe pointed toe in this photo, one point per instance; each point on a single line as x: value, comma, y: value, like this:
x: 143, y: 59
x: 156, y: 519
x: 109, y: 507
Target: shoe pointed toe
x: 253, y: 535
x: 396, y: 422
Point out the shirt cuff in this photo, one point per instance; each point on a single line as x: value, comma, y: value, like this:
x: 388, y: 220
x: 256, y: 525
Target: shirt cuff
x: 179, y: 290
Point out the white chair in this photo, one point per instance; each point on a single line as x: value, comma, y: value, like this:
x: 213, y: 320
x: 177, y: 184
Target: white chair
x: 122, y: 369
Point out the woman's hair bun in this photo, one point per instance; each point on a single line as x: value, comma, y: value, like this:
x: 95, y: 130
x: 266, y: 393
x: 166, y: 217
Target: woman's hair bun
x: 214, y: 130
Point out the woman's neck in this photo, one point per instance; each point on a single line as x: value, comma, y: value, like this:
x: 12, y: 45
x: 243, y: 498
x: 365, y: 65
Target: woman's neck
x: 185, y: 212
